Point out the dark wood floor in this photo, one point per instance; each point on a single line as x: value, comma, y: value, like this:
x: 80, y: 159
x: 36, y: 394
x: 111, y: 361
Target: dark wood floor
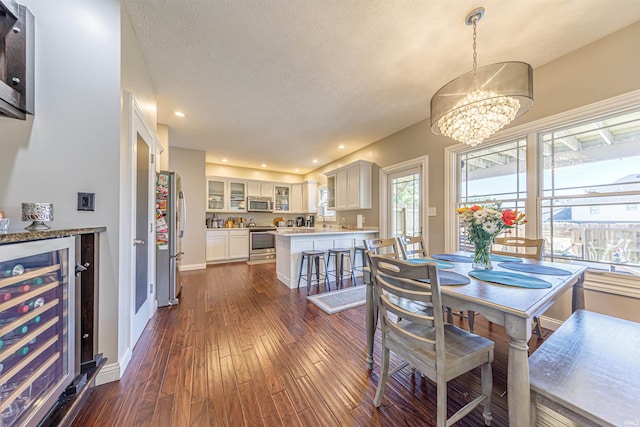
x: 243, y: 349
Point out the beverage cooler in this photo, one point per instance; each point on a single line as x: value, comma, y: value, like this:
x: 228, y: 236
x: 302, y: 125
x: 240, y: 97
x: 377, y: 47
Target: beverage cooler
x: 37, y: 345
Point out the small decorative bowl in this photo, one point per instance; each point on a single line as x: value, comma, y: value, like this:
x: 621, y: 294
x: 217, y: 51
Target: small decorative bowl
x: 38, y: 213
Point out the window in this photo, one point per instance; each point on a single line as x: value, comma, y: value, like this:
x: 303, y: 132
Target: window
x: 493, y: 174
x: 583, y: 185
x: 323, y: 212
x: 590, y: 180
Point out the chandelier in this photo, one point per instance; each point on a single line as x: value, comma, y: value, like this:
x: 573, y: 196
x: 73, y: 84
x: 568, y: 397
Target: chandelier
x: 474, y: 106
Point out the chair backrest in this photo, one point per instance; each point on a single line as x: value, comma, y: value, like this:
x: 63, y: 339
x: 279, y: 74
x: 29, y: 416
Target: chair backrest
x: 385, y: 247
x: 397, y: 281
x: 412, y: 247
x: 519, y: 247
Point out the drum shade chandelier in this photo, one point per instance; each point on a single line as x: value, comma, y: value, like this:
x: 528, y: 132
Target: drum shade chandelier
x: 479, y: 103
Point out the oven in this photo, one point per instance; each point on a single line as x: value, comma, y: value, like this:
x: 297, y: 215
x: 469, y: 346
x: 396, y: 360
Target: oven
x: 262, y: 244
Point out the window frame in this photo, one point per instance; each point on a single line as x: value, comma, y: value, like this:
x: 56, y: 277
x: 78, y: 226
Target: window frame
x: 615, y: 282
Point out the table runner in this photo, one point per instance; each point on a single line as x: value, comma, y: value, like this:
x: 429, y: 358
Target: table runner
x: 469, y: 259
x: 535, y: 269
x: 439, y: 263
x: 510, y: 279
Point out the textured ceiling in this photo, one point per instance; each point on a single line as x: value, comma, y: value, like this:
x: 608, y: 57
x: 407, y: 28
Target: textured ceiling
x: 283, y: 82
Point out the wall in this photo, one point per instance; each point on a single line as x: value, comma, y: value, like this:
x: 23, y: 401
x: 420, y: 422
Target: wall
x: 190, y: 165
x: 248, y: 173
x: 71, y: 144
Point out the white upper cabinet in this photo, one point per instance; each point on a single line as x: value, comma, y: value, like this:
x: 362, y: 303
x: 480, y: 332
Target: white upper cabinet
x: 262, y: 189
x: 282, y: 200
x: 304, y: 197
x: 352, y: 186
x: 226, y: 195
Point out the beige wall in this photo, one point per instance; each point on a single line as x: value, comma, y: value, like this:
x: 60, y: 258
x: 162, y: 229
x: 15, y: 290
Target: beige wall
x: 190, y: 165
x: 214, y: 169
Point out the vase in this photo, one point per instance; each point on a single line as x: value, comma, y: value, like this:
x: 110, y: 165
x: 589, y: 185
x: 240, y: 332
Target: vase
x: 482, y: 255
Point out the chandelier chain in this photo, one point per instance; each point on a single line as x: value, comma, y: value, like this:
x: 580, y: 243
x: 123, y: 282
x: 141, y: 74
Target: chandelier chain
x: 475, y: 54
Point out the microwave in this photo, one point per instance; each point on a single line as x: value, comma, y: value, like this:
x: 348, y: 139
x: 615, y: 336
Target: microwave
x: 259, y: 204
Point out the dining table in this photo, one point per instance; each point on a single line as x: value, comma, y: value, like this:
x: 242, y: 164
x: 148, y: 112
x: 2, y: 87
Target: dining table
x: 512, y: 304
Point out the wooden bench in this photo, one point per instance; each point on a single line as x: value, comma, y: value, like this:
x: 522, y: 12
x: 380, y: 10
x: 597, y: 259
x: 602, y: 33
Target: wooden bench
x: 589, y: 371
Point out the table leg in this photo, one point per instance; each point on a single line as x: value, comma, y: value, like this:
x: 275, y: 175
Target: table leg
x: 577, y: 295
x: 518, y: 386
x: 371, y: 326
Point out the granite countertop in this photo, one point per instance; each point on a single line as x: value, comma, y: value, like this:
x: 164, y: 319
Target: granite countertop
x: 321, y: 231
x: 21, y: 235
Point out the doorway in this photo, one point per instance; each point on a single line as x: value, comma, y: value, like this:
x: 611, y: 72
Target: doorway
x: 403, y: 198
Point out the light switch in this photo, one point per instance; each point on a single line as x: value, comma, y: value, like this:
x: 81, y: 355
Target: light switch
x: 432, y: 211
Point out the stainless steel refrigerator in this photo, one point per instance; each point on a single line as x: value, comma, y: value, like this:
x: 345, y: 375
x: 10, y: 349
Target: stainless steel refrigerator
x: 171, y: 210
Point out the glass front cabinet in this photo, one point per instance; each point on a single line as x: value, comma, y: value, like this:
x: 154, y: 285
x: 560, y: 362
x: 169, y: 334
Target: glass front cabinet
x: 37, y: 318
x: 282, y: 198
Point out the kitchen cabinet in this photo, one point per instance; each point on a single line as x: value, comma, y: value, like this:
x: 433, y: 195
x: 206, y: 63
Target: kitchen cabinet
x: 351, y: 186
x: 262, y: 189
x: 331, y: 191
x: 226, y: 195
x: 227, y: 244
x: 237, y: 196
x: 304, y: 197
x: 282, y: 198
x: 216, y: 194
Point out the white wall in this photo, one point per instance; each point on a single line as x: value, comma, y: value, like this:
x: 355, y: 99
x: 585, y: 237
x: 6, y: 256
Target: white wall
x: 72, y: 143
x: 190, y: 165
x: 214, y: 169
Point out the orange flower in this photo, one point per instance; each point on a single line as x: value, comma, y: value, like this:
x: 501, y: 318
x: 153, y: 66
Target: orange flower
x: 475, y: 208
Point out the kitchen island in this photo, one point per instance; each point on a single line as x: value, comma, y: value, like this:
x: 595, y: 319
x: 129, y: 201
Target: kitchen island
x: 292, y: 242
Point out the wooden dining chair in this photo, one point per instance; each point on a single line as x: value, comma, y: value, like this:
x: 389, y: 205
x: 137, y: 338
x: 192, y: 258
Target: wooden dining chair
x: 521, y: 247
x: 385, y: 247
x: 439, y: 350
x: 414, y: 247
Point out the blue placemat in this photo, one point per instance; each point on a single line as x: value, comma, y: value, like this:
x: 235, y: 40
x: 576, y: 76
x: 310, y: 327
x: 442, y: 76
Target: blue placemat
x: 452, y: 257
x: 535, y: 268
x: 502, y: 258
x: 450, y: 278
x: 440, y: 264
x: 510, y: 279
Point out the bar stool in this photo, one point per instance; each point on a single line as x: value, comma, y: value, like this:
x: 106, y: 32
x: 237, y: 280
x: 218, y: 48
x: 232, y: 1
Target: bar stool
x: 360, y: 250
x: 313, y: 259
x: 338, y: 262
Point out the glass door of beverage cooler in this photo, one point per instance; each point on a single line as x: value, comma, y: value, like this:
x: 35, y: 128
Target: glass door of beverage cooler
x: 37, y: 328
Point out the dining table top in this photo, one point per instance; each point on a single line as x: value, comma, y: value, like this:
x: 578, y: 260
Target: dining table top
x: 519, y: 301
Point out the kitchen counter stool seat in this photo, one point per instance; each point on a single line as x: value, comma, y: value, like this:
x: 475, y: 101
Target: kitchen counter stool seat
x: 338, y: 271
x: 313, y: 260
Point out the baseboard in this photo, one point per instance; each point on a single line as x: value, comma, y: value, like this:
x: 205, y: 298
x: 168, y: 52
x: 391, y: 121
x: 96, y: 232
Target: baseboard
x: 191, y: 267
x: 550, y: 323
x: 109, y: 373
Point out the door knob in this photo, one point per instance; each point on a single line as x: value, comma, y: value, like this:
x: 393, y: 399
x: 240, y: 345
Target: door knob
x: 137, y: 242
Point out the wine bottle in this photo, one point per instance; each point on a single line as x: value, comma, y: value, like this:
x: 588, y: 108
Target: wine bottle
x: 35, y: 303
x: 16, y: 270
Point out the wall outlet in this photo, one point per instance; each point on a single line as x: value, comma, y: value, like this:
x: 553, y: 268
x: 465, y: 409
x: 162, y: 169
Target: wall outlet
x: 86, y: 201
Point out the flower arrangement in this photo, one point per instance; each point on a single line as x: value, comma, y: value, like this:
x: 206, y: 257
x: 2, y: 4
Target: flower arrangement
x: 483, y: 224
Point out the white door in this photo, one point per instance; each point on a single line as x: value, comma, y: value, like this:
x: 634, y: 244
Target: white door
x: 143, y: 242
x: 403, y: 199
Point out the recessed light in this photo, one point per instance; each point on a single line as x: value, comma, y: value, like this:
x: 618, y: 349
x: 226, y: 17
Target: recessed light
x: 264, y: 165
x: 341, y: 146
x: 225, y: 160
x: 314, y: 161
x: 297, y: 170
x: 179, y: 113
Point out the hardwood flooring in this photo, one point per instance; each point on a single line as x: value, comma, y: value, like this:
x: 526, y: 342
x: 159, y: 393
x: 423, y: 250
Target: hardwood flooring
x: 242, y: 349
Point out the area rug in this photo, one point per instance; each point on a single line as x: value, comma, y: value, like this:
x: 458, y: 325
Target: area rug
x: 343, y: 299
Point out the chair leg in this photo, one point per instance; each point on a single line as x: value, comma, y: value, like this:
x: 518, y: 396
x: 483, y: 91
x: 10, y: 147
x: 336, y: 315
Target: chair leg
x: 309, y: 273
x: 471, y: 317
x: 441, y: 402
x: 300, y: 274
x: 536, y: 326
x: 384, y: 374
x: 487, y: 385
x: 449, y: 315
